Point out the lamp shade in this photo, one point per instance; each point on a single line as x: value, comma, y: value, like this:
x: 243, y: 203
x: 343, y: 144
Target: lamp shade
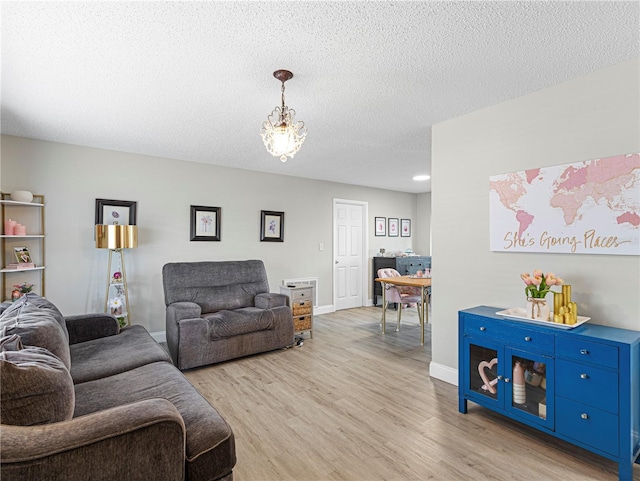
x: 116, y: 236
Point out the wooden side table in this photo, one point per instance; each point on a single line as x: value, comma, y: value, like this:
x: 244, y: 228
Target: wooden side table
x: 301, y: 303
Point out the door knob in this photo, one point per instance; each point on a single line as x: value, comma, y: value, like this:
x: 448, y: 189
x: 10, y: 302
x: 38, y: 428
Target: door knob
x: 336, y: 262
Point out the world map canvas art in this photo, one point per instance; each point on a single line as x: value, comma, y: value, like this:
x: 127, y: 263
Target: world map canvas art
x: 588, y: 207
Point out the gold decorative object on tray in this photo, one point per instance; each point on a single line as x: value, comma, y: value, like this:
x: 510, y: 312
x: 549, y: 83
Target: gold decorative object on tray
x: 520, y: 314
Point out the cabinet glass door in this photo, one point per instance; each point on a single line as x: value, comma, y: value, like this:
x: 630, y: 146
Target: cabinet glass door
x: 483, y: 381
x: 531, y: 386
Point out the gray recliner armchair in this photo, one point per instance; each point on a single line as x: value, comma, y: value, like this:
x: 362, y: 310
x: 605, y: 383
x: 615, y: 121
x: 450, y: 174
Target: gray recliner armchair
x: 216, y: 311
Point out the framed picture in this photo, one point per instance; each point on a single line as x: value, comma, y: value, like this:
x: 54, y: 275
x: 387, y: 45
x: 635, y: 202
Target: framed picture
x: 381, y: 226
x: 393, y: 227
x: 405, y: 228
x: 22, y: 255
x: 271, y: 226
x: 205, y: 223
x: 115, y: 212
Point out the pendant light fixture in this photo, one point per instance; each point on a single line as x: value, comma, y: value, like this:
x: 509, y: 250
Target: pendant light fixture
x: 281, y: 133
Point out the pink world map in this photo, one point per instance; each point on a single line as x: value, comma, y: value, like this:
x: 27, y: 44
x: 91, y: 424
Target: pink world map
x: 607, y: 188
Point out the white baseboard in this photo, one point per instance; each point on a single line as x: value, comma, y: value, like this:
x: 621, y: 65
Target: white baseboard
x: 444, y: 373
x: 159, y: 336
x: 324, y: 310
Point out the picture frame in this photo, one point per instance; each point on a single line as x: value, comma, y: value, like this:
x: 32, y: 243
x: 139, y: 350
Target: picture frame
x: 22, y: 255
x: 205, y: 223
x: 271, y: 226
x: 115, y: 212
x: 381, y: 226
x: 394, y: 229
x: 405, y: 227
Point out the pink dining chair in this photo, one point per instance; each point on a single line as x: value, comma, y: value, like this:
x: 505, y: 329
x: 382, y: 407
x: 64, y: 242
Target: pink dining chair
x: 399, y: 294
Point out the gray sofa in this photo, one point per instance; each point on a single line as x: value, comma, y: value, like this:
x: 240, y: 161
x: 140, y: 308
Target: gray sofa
x: 216, y: 311
x: 82, y: 399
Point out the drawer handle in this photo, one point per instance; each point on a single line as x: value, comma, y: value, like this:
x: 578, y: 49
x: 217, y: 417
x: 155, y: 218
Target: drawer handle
x: 584, y: 416
x: 527, y: 338
x: 584, y: 351
x: 584, y: 376
x: 506, y: 379
x: 482, y: 328
x: 500, y: 377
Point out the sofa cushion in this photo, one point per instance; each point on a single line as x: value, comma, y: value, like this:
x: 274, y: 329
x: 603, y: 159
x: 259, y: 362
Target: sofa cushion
x: 36, y: 386
x: 106, y: 356
x: 210, y: 444
x: 38, y: 304
x: 215, y: 286
x: 36, y: 326
x: 225, y: 324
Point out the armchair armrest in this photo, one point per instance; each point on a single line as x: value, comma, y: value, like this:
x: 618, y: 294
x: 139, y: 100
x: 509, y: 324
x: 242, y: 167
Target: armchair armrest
x: 86, y: 327
x: 183, y: 310
x: 269, y: 300
x: 148, y: 436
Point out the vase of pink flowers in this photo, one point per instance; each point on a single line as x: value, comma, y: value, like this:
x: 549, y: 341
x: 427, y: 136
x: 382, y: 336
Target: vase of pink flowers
x: 537, y: 286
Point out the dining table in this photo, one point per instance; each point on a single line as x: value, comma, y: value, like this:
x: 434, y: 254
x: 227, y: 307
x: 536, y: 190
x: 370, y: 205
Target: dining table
x: 413, y: 281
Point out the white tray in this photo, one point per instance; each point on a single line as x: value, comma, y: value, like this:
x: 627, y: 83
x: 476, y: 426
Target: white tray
x: 520, y: 314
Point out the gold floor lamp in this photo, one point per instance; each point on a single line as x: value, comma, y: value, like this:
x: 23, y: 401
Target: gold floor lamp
x: 115, y: 238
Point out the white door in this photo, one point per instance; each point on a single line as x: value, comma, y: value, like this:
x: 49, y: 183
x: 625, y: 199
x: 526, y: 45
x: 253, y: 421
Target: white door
x: 348, y: 250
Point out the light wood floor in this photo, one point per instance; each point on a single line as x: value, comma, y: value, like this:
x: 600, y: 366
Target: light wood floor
x: 351, y: 404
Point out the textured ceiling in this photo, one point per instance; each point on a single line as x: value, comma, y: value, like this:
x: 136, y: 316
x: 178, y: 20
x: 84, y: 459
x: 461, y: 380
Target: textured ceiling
x: 193, y: 80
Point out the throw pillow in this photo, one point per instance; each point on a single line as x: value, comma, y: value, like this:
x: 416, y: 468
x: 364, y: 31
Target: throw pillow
x: 36, y: 327
x: 36, y: 387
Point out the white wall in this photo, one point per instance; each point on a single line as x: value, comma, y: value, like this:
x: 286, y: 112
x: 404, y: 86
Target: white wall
x: 72, y: 177
x: 590, y: 117
x: 422, y: 230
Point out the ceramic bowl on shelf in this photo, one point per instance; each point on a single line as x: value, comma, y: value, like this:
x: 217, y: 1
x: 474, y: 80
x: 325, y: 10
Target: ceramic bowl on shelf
x: 21, y: 196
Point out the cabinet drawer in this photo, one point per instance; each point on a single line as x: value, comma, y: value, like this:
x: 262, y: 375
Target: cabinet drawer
x: 302, y: 323
x: 587, y: 425
x: 514, y: 335
x: 588, y: 385
x: 301, y: 307
x: 301, y: 294
x: 587, y: 351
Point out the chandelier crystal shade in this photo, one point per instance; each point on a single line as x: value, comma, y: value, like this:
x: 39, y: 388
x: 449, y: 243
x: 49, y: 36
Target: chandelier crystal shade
x: 281, y: 133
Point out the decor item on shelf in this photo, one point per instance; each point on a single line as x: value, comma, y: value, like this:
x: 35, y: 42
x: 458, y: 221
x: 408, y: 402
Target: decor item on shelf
x: 19, y: 230
x: 488, y: 385
x: 115, y: 304
x: 22, y: 255
x: 281, y: 133
x: 21, y: 196
x: 537, y: 287
x: 116, y: 238
x: 24, y: 288
x: 565, y: 311
x: 519, y: 388
x: 20, y: 290
x: 9, y: 227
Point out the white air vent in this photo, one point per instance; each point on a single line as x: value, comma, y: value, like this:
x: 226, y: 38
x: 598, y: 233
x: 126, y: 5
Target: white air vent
x: 313, y: 281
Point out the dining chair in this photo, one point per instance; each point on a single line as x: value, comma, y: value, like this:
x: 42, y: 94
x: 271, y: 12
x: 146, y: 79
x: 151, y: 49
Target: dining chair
x: 402, y: 295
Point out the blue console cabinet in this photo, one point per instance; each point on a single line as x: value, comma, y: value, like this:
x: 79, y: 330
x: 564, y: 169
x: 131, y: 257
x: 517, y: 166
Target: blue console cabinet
x: 581, y: 385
